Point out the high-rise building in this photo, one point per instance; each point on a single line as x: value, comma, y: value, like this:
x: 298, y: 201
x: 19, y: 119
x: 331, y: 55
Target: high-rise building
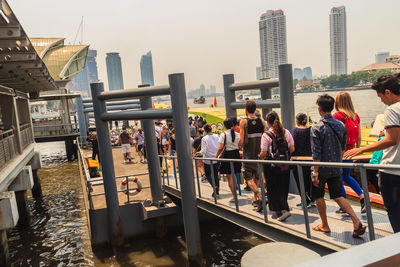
x: 202, y: 90
x: 298, y: 74
x: 338, y: 40
x: 258, y: 73
x: 146, y: 69
x: 213, y: 90
x: 381, y: 57
x: 307, y: 72
x: 273, y: 46
x: 92, y: 66
x: 81, y: 82
x: 114, y: 71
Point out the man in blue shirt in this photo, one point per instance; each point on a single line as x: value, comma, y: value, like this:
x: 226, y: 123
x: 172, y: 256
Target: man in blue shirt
x: 328, y: 142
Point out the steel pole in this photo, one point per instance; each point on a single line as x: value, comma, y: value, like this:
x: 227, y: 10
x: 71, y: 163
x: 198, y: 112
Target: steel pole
x: 286, y: 95
x: 153, y: 160
x: 265, y: 94
x: 229, y: 79
x: 185, y: 163
x: 105, y: 152
x: 81, y: 120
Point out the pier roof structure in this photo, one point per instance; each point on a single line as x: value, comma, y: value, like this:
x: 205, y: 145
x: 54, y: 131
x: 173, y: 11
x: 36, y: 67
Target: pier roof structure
x: 21, y: 68
x: 63, y: 61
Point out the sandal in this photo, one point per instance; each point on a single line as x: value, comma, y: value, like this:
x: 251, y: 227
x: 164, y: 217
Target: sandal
x: 360, y: 231
x: 318, y: 228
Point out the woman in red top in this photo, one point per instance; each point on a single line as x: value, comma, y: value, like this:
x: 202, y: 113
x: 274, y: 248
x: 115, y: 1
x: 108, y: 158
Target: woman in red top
x: 346, y: 114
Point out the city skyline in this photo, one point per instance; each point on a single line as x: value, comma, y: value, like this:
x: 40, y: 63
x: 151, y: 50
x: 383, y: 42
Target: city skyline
x: 217, y: 37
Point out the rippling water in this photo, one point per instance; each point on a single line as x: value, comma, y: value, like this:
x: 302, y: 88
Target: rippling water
x: 58, y: 234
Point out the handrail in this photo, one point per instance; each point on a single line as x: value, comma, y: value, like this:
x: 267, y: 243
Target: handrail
x: 361, y: 166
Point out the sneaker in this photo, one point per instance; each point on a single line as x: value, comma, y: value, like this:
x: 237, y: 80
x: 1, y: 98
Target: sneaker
x: 125, y: 161
x: 284, y: 216
x: 299, y: 204
x: 255, y: 203
x: 130, y: 159
x: 259, y: 207
x: 312, y: 203
x: 340, y: 211
x: 363, y: 209
x: 276, y: 214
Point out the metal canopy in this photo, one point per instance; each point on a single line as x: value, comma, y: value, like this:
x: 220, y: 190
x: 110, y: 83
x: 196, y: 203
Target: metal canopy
x: 21, y: 68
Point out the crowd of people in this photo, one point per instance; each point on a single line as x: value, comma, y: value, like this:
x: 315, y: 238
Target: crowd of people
x: 335, y: 137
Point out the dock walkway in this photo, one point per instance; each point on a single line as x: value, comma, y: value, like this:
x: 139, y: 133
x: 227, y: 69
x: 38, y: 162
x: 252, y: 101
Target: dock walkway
x: 293, y: 230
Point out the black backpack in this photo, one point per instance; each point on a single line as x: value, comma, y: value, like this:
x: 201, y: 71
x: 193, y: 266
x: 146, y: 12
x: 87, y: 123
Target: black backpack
x: 279, y: 150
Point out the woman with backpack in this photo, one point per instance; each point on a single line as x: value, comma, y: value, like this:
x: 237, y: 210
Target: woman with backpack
x: 229, y: 149
x: 277, y: 144
x: 346, y: 114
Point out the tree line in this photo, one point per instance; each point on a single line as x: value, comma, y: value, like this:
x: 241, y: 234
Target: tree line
x: 345, y: 80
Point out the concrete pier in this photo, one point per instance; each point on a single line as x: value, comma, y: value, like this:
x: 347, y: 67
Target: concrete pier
x: 70, y: 148
x: 36, y: 164
x: 4, y: 254
x: 23, y: 209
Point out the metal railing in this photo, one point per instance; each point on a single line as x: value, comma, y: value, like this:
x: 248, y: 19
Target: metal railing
x: 8, y: 147
x: 55, y: 129
x: 26, y: 135
x: 362, y: 167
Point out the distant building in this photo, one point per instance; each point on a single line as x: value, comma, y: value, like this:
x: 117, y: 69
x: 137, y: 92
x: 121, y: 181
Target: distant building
x: 381, y: 57
x: 258, y: 73
x: 114, y: 71
x: 394, y: 59
x: 92, y: 66
x: 308, y: 73
x: 301, y: 85
x: 273, y: 46
x: 338, y: 40
x: 382, y: 66
x: 202, y: 91
x: 298, y: 74
x: 213, y: 90
x: 146, y: 69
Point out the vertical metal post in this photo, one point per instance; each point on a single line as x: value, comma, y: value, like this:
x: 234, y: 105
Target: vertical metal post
x: 286, y: 95
x: 127, y: 187
x: 166, y: 167
x: 234, y: 185
x: 197, y: 176
x: 185, y: 163
x: 265, y: 94
x: 264, y: 202
x: 81, y: 120
x: 303, y: 199
x: 153, y: 160
x: 213, y: 182
x: 229, y: 79
x: 105, y: 152
x: 364, y: 184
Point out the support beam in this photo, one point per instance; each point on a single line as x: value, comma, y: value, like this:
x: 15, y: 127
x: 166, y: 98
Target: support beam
x: 259, y: 103
x: 229, y: 79
x: 23, y: 209
x: 287, y: 96
x: 137, y: 115
x: 186, y: 175
x: 136, y: 93
x: 110, y: 187
x: 83, y: 131
x: 259, y: 84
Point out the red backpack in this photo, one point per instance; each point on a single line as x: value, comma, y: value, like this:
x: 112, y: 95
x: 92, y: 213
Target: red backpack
x: 351, y: 126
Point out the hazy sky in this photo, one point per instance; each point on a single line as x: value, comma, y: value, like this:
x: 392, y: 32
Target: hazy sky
x: 206, y: 39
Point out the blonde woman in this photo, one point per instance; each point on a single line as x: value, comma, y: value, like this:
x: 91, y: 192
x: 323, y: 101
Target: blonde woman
x: 345, y: 113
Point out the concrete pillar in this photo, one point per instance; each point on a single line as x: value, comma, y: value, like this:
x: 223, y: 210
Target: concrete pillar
x: 265, y: 94
x: 23, y: 209
x: 229, y: 79
x: 4, y: 254
x: 71, y: 150
x: 82, y: 120
x: 36, y: 164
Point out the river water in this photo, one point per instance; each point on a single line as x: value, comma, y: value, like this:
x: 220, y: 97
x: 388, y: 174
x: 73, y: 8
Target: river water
x: 58, y: 234
x: 365, y: 102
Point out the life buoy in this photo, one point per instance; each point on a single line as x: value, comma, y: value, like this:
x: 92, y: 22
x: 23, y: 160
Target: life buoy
x: 131, y: 192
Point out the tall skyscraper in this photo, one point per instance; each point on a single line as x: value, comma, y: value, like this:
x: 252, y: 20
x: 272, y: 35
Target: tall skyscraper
x: 381, y: 57
x: 114, y: 71
x: 273, y: 46
x: 258, y: 73
x: 146, y: 69
x: 307, y: 71
x: 92, y: 66
x: 338, y: 40
x: 89, y: 74
x: 298, y: 74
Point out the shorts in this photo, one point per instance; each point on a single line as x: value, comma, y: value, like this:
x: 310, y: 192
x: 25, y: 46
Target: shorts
x: 126, y: 148
x: 334, y: 187
x: 140, y: 147
x: 250, y: 172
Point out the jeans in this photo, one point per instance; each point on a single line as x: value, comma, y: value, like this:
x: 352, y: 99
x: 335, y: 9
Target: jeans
x: 390, y: 189
x: 207, y: 169
x: 350, y: 181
